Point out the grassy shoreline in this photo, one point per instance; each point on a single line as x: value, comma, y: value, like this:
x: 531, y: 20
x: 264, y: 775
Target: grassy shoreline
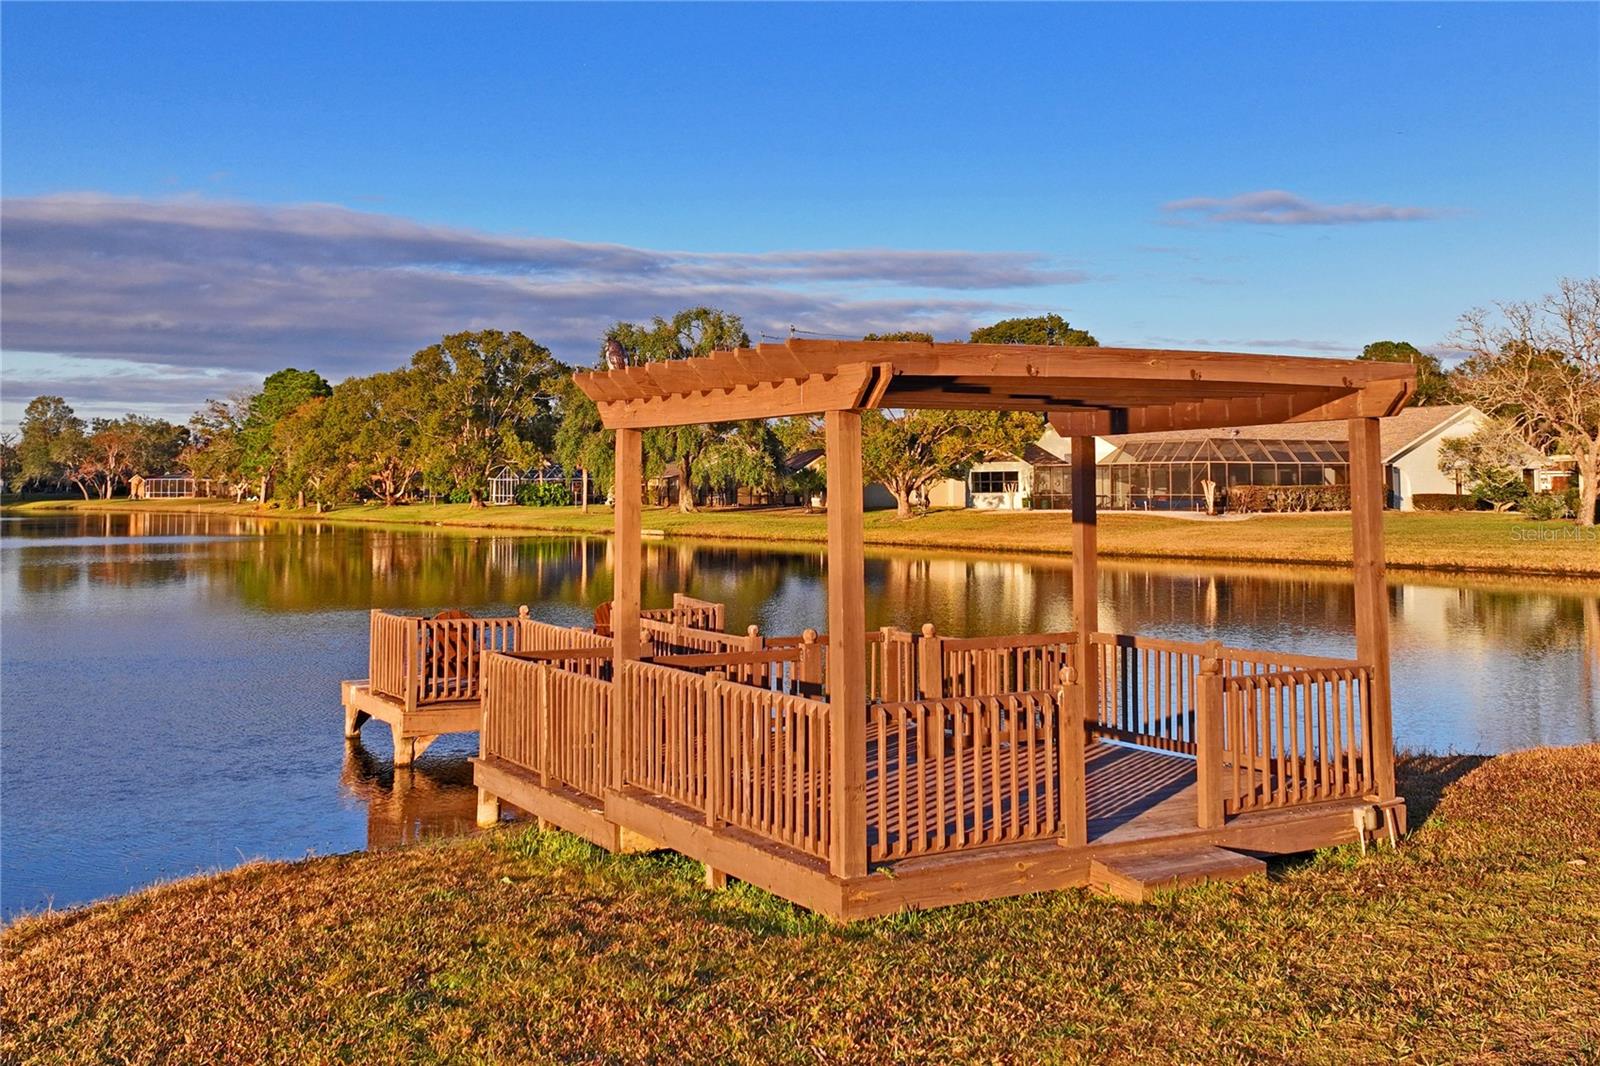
x: 1475, y: 941
x: 1460, y: 543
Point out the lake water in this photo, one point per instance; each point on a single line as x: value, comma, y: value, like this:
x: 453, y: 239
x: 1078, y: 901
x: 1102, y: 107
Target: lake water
x: 169, y: 684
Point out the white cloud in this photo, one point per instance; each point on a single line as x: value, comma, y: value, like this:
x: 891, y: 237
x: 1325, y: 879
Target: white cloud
x: 247, y: 288
x: 1276, y: 207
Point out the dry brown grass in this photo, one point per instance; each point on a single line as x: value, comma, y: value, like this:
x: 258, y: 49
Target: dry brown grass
x: 1478, y: 940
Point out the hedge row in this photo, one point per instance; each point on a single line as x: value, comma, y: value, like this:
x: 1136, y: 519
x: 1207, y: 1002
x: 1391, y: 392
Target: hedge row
x: 1443, y: 501
x: 1249, y: 499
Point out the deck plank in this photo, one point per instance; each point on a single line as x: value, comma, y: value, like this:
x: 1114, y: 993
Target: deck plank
x: 1137, y: 877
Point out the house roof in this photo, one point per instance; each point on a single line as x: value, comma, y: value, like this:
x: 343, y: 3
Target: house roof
x: 1397, y: 433
x: 1034, y: 455
x: 1085, y: 391
x: 802, y: 459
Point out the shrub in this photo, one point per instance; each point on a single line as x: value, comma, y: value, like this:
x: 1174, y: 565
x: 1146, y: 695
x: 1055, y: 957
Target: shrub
x: 544, y: 494
x: 1500, y: 488
x: 460, y: 496
x: 1546, y: 506
x: 1250, y: 499
x: 1443, y: 501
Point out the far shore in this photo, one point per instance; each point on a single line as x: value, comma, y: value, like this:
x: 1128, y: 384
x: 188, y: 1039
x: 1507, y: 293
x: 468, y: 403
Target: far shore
x: 1449, y: 543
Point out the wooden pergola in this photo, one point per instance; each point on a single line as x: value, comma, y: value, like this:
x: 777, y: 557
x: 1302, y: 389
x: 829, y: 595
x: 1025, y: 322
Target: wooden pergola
x: 900, y: 709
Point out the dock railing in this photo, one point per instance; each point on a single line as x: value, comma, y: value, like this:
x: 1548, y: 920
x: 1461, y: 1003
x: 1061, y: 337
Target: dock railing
x: 740, y: 755
x: 737, y: 728
x: 961, y: 772
x: 549, y: 712
x: 1267, y: 729
x: 690, y: 612
x: 419, y: 661
x: 1292, y: 737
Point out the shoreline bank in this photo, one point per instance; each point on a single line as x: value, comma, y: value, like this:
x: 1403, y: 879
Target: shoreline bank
x: 623, y: 957
x: 1479, y: 543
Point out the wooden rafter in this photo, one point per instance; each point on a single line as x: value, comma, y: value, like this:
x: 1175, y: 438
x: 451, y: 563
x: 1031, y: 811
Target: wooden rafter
x: 1084, y: 390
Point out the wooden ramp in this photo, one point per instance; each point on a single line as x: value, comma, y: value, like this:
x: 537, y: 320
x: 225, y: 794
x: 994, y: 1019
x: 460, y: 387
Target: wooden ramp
x: 1137, y: 877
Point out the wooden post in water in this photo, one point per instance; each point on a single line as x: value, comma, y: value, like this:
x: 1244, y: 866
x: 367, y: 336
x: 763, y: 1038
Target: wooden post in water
x: 1367, y: 491
x: 847, y: 645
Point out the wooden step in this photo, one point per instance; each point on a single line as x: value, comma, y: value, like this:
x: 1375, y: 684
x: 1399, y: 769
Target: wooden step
x: 1136, y: 878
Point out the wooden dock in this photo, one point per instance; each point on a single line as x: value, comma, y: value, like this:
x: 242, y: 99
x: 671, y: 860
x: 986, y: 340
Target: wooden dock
x: 860, y: 772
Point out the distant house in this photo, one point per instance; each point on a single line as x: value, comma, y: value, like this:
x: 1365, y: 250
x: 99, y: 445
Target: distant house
x: 1039, y: 478
x: 1164, y: 471
x: 875, y: 496
x: 171, y: 487
x: 1167, y: 471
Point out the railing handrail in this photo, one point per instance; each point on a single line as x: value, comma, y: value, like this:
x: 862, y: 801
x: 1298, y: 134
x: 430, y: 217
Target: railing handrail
x: 552, y: 654
x: 1221, y: 651
x: 785, y: 654
x: 1021, y: 640
x: 966, y: 702
x: 1289, y: 677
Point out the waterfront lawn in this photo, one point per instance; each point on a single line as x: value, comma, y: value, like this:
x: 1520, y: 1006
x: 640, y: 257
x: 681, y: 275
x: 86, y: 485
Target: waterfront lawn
x: 1477, y: 940
x: 1473, y: 541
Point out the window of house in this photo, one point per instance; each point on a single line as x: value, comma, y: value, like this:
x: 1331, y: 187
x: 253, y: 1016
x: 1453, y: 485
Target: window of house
x: 994, y: 481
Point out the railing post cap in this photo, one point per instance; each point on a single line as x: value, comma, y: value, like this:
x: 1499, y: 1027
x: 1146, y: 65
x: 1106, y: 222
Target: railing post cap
x: 928, y: 630
x: 522, y: 610
x: 752, y: 631
x: 809, y: 636
x: 1069, y: 675
x: 1211, y: 665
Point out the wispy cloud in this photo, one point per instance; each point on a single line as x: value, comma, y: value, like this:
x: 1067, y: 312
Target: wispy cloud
x: 1276, y: 207
x: 1272, y: 345
x: 231, y: 287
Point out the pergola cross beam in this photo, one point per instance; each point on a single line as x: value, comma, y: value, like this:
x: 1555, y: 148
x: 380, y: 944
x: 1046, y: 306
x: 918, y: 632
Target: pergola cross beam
x: 1084, y: 390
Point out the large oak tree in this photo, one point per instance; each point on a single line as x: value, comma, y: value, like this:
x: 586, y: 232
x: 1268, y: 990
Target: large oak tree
x: 1537, y: 364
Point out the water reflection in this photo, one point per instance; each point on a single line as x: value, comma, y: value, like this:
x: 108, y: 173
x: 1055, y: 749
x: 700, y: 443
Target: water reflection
x: 171, y: 681
x: 433, y: 798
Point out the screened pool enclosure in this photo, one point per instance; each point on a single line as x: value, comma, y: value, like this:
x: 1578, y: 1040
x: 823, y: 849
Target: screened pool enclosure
x: 1169, y: 474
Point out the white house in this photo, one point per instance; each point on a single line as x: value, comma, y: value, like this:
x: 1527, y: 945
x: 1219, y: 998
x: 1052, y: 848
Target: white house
x: 1162, y: 471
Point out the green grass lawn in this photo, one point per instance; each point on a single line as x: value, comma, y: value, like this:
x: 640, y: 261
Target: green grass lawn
x: 1480, y: 542
x: 1477, y: 940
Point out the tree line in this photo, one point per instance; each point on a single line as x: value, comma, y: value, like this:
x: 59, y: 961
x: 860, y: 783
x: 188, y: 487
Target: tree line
x: 478, y: 403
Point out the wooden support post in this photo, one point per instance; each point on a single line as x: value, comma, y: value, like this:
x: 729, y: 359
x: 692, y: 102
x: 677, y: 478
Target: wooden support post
x: 893, y: 666
x: 809, y: 668
x: 544, y: 714
x: 354, y: 719
x: 488, y: 809
x: 627, y: 576
x: 1208, y: 712
x: 628, y: 570
x: 716, y: 755
x: 930, y: 664
x: 1367, y: 491
x: 847, y: 640
x: 1070, y: 740
x: 930, y: 685
x: 411, y: 674
x: 1085, y: 576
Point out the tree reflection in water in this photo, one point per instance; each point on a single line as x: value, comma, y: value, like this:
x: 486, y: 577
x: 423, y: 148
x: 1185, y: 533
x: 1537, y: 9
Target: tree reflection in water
x: 190, y: 664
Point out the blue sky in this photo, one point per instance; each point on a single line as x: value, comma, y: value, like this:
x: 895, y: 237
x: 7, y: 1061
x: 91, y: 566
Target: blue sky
x: 196, y: 195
